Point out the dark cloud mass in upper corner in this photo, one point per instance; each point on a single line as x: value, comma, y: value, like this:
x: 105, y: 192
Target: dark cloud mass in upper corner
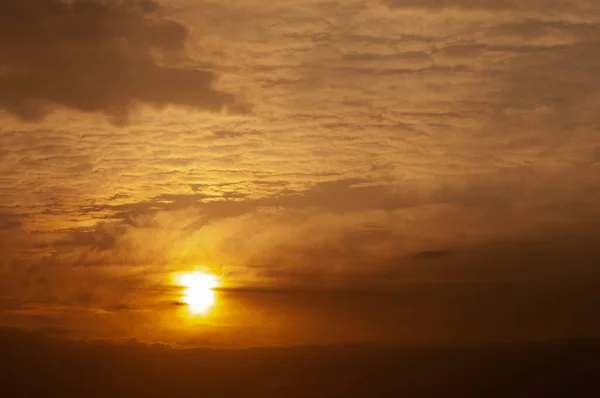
x: 96, y: 56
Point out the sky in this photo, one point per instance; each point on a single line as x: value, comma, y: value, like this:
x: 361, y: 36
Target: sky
x: 394, y: 171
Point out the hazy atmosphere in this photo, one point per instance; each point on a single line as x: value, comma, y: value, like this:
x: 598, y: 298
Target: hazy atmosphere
x: 239, y: 173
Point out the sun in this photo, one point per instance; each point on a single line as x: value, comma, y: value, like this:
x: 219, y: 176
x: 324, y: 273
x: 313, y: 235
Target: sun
x: 198, y: 291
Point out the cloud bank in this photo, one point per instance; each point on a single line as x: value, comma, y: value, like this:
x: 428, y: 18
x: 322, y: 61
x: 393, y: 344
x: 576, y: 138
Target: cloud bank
x: 97, y: 56
x: 450, y: 145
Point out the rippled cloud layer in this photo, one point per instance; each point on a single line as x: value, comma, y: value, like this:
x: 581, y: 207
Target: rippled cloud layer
x: 294, y: 145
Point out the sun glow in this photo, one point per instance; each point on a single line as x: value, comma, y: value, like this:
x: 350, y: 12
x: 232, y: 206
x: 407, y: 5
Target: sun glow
x: 198, y: 291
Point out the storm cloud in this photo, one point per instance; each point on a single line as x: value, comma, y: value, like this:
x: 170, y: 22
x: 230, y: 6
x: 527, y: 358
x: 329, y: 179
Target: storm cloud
x: 97, y: 56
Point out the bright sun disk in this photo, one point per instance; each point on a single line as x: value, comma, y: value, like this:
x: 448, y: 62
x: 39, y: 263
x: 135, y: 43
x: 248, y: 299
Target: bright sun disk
x: 198, y: 291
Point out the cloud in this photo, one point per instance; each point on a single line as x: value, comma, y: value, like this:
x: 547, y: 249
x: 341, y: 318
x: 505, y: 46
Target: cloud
x: 530, y: 7
x: 432, y: 254
x: 10, y: 221
x: 596, y: 155
x: 334, y: 370
x: 466, y: 4
x: 97, y: 56
x: 387, y: 146
x: 309, y: 268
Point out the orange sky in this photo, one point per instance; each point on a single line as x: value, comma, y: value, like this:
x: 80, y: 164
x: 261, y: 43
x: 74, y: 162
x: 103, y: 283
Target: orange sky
x: 381, y: 170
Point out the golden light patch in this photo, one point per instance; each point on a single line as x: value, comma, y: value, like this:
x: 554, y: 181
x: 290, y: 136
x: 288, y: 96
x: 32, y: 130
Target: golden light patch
x: 198, y: 292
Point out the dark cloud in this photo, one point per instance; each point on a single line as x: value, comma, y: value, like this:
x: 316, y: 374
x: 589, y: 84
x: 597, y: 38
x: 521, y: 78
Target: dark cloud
x: 449, y: 312
x: 134, y: 368
x: 536, y: 6
x: 96, y: 56
x: 535, y: 29
x: 54, y: 331
x: 8, y: 304
x: 433, y: 254
x: 596, y: 154
x: 9, y: 221
x: 437, y: 4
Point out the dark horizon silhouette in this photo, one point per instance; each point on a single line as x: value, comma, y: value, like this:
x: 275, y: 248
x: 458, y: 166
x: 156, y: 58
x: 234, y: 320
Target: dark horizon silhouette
x: 37, y: 366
